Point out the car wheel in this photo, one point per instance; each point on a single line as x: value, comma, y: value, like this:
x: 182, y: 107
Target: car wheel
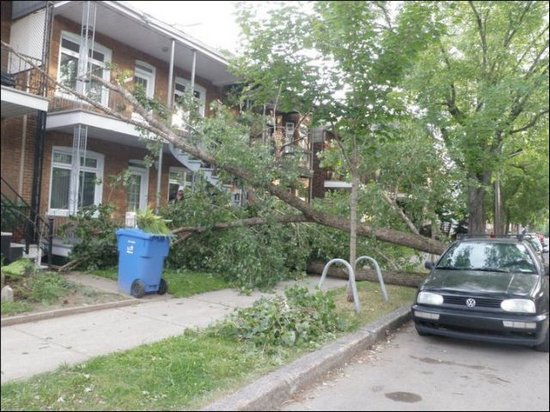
x: 543, y: 347
x: 137, y: 289
x: 163, y: 287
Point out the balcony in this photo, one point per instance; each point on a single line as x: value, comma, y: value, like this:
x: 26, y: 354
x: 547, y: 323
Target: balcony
x: 23, y: 88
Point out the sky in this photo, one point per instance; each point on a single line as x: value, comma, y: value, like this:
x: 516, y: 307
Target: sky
x: 212, y: 22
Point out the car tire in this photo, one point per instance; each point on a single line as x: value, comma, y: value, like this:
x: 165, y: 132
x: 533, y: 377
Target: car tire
x: 543, y: 347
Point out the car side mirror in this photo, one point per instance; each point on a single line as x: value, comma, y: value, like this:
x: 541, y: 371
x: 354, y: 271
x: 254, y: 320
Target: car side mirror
x: 429, y: 265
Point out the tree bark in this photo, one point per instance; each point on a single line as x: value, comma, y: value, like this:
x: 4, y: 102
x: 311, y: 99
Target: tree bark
x: 476, y: 203
x: 390, y: 277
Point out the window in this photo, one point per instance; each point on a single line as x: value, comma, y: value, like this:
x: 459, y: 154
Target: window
x: 144, y: 75
x: 180, y: 87
x: 69, y: 61
x: 178, y: 176
x: 289, y: 137
x: 67, y: 193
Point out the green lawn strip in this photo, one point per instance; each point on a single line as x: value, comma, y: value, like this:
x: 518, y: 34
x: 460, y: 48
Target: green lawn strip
x: 45, y: 288
x: 14, y: 308
x: 184, y: 372
x: 181, y: 283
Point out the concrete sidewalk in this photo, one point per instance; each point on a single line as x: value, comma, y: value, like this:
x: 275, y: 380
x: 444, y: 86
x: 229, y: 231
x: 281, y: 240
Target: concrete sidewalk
x: 35, y: 345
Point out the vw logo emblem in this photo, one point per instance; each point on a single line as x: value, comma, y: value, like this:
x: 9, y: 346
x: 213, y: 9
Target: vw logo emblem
x: 470, y: 302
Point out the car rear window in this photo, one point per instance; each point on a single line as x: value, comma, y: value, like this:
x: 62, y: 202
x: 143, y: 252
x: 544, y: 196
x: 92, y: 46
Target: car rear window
x: 488, y: 256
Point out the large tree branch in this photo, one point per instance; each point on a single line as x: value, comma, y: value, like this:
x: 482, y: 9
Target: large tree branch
x: 254, y: 221
x: 482, y: 35
x: 529, y: 48
x: 392, y: 203
x: 531, y: 123
x: 450, y: 100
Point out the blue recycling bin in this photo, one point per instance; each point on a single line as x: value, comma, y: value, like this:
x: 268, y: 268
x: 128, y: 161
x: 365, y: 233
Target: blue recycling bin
x: 141, y: 258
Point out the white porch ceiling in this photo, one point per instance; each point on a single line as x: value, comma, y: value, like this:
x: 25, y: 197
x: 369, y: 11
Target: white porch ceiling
x: 142, y: 32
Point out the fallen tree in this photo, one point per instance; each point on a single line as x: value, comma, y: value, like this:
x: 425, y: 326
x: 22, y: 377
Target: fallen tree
x: 392, y: 277
x: 183, y: 142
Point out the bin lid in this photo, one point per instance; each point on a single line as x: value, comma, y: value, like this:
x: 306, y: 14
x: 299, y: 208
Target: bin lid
x: 137, y: 233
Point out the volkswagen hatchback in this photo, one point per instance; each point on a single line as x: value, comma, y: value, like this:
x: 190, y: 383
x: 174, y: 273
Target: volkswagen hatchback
x: 486, y: 289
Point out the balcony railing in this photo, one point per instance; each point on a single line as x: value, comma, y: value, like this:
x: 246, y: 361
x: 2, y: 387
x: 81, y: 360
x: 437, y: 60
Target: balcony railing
x: 61, y: 100
x: 20, y: 75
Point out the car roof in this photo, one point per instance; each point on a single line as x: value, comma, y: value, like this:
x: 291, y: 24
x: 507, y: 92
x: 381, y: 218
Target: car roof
x: 497, y: 239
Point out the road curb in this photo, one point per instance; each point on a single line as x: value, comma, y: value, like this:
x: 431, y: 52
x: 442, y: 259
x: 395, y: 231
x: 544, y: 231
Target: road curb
x: 270, y: 391
x: 32, y: 317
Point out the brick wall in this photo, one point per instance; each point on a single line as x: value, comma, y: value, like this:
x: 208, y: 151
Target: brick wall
x: 5, y: 15
x: 319, y: 175
x: 17, y: 153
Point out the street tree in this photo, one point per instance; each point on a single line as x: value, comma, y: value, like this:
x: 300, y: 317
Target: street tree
x: 482, y: 84
x: 341, y: 64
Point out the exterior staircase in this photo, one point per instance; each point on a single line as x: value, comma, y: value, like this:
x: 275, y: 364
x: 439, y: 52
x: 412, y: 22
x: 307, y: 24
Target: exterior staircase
x: 197, y: 166
x: 11, y: 251
x: 24, y: 234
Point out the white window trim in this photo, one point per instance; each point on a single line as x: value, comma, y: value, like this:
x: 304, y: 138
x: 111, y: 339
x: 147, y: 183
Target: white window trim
x: 197, y: 88
x: 149, y: 76
x: 144, y: 188
x: 98, y: 47
x: 98, y: 193
x: 186, y: 173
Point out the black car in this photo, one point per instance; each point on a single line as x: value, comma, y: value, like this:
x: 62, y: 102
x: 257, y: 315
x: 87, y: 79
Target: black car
x: 486, y: 289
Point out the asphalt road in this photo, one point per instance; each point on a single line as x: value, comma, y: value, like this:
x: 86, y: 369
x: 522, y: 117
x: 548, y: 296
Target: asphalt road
x: 410, y: 373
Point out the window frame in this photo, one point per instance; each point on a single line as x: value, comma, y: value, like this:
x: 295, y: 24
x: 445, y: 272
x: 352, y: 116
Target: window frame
x: 98, y: 170
x: 150, y: 76
x: 107, y: 53
x: 178, y: 93
x: 138, y: 168
x: 187, y: 178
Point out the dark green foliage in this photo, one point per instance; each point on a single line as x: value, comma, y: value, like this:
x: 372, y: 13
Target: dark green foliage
x: 248, y: 257
x: 93, y: 230
x: 301, y: 318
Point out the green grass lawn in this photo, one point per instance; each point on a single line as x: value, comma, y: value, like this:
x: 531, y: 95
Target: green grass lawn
x: 181, y: 283
x: 181, y: 373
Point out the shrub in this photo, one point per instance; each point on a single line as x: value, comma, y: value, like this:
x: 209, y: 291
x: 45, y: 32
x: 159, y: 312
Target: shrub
x: 21, y: 267
x: 301, y: 318
x: 94, y: 230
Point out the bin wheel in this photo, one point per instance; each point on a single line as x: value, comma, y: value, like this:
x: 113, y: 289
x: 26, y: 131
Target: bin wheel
x: 163, y: 287
x: 137, y: 289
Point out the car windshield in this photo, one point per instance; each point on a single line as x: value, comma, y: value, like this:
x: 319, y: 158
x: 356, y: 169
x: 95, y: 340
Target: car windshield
x: 488, y: 256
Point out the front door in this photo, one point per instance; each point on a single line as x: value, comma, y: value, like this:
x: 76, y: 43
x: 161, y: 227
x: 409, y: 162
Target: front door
x: 137, y: 189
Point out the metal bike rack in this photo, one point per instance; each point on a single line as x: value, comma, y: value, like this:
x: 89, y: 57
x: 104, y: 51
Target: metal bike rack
x: 351, y: 280
x: 378, y: 272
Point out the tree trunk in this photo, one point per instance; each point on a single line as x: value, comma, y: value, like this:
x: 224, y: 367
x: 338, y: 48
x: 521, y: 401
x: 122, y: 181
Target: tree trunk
x: 499, y: 215
x: 390, y: 277
x: 476, y: 203
x: 353, y: 216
